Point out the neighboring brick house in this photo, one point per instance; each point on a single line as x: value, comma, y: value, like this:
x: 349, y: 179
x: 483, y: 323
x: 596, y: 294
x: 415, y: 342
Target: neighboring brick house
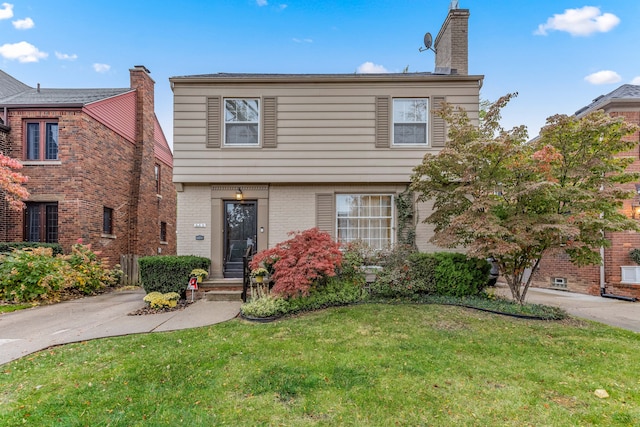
x: 618, y: 275
x: 260, y: 155
x: 99, y: 167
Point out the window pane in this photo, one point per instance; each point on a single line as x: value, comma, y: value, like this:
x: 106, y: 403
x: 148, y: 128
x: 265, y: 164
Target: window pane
x: 33, y: 223
x: 52, y: 223
x: 51, y: 141
x: 107, y: 221
x: 242, y: 134
x: 365, y: 217
x: 410, y: 121
x: 33, y: 141
x: 409, y: 133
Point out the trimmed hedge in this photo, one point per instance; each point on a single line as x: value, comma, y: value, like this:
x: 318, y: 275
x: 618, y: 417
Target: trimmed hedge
x: 440, y: 273
x: 169, y: 273
x: 8, y: 247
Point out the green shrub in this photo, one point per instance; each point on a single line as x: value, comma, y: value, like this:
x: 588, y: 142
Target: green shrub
x: 334, y: 292
x: 169, y: 273
x: 267, y: 306
x: 34, y: 274
x: 8, y: 247
x: 414, y: 274
x: 458, y: 275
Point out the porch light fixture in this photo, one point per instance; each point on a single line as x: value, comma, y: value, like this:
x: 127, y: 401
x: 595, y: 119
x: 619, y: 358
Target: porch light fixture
x: 239, y: 195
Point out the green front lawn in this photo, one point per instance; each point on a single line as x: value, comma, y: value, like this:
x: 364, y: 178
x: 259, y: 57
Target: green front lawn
x: 364, y: 365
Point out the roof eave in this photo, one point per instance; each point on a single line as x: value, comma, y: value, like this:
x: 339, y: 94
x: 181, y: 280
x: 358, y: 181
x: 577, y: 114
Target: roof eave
x: 321, y: 78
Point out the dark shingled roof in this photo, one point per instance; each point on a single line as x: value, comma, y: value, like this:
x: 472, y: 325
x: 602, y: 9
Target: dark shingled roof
x: 629, y: 92
x: 15, y: 93
x: 61, y: 97
x: 10, y: 86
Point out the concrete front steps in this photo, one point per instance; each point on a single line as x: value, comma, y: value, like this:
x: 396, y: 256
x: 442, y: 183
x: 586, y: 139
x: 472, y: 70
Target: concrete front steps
x: 222, y: 289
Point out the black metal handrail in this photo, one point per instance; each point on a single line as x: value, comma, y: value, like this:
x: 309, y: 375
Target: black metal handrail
x: 246, y: 272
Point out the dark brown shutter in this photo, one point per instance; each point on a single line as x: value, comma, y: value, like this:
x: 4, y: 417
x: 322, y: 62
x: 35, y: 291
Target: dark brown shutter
x: 269, y: 121
x: 438, y: 125
x: 382, y: 122
x: 325, y: 213
x: 214, y: 122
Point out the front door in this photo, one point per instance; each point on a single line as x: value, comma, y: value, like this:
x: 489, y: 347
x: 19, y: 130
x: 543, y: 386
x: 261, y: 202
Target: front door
x: 240, y: 231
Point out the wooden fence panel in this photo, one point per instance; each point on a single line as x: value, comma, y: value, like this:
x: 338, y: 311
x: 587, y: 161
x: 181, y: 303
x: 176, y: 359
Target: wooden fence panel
x: 131, y: 272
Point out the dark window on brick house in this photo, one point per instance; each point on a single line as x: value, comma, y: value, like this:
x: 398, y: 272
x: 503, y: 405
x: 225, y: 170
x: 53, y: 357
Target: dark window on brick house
x: 157, y: 177
x: 163, y: 231
x: 107, y: 220
x: 41, y: 140
x: 41, y: 222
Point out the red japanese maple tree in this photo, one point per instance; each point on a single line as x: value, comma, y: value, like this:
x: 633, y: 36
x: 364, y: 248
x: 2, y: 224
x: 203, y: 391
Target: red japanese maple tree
x: 297, y: 263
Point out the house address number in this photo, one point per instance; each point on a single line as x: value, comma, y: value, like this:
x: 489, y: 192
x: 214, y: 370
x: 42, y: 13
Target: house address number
x: 200, y: 225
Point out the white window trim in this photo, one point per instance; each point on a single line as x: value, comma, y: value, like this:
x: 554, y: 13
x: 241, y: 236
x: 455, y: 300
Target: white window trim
x: 393, y: 123
x: 224, y: 122
x: 630, y: 274
x: 392, y: 219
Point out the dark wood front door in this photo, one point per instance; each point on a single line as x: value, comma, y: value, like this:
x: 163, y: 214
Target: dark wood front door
x: 240, y: 231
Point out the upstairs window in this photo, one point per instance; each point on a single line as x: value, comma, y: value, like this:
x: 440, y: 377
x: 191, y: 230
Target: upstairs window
x: 157, y: 177
x: 410, y: 121
x: 41, y: 140
x: 241, y: 122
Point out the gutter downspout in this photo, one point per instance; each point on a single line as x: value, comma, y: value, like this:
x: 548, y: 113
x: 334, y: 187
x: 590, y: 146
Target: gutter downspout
x: 603, y: 285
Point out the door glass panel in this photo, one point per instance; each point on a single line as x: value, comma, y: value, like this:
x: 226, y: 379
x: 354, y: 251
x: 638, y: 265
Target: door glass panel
x: 240, y: 232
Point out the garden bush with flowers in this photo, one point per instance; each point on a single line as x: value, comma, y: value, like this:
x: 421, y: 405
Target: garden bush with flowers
x: 309, y: 271
x: 35, y: 275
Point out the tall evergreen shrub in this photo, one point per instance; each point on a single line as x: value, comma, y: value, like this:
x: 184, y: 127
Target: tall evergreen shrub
x: 169, y: 273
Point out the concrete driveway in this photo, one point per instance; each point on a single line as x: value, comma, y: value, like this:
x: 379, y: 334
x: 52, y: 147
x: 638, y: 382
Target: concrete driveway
x: 26, y: 331
x: 613, y: 312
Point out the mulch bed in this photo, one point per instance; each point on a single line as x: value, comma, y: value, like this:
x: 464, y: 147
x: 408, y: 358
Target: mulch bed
x: 182, y: 304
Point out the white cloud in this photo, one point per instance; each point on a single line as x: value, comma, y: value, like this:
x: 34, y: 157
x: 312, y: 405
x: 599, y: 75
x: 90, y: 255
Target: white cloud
x: 7, y: 11
x: 66, y: 56
x: 23, y: 24
x: 603, y: 77
x: 580, y: 22
x: 303, y: 40
x: 261, y: 2
x: 636, y: 81
x: 282, y: 6
x: 22, y: 51
x: 101, y: 68
x: 371, y: 68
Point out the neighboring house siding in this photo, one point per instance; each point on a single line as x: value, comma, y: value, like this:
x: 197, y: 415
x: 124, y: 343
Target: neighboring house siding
x: 321, y: 129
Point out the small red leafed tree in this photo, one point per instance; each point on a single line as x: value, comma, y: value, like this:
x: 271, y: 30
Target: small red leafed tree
x: 11, y: 182
x: 297, y: 263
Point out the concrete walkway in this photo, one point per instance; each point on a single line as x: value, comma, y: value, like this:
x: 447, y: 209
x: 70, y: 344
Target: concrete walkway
x: 26, y: 331
x: 613, y: 312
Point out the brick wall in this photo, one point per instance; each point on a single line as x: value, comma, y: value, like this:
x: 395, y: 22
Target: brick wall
x: 194, y: 207
x: 98, y: 168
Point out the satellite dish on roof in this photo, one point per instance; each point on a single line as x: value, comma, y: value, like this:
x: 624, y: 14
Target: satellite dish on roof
x: 428, y: 41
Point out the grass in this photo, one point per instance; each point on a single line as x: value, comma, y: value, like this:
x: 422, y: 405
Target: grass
x: 364, y: 365
x: 8, y: 308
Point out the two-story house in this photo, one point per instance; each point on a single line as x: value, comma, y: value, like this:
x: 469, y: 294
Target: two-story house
x: 618, y: 275
x: 99, y: 166
x: 257, y: 156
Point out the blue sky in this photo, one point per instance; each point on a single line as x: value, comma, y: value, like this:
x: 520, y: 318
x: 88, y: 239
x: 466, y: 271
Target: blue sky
x: 558, y: 55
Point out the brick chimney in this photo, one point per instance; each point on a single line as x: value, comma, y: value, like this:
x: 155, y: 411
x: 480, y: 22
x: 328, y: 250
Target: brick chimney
x: 143, y: 204
x: 452, y: 44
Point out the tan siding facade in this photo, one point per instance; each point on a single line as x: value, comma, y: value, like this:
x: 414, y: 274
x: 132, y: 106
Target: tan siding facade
x: 320, y: 129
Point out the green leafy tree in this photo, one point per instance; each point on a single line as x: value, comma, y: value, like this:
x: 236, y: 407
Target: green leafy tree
x: 498, y: 195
